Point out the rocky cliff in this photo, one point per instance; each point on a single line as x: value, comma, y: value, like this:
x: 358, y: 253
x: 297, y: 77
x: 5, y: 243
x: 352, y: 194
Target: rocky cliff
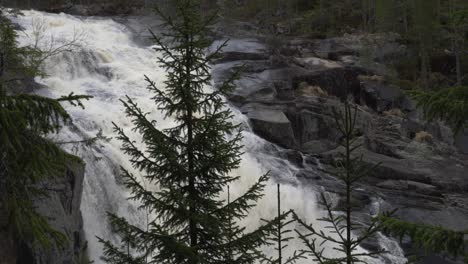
x: 62, y: 209
x: 290, y: 97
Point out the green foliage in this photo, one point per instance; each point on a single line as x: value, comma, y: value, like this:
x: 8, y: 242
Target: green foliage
x: 350, y: 169
x: 386, y: 12
x: 15, y: 61
x: 26, y: 158
x: 449, y: 104
x: 187, y: 165
x: 281, y: 237
x: 434, y: 239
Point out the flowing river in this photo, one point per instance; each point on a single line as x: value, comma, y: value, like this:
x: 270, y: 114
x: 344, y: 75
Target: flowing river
x: 109, y: 64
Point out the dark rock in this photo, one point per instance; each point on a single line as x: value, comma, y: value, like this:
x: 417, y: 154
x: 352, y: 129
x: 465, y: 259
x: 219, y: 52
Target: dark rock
x: 381, y: 97
x: 359, y: 200
x: 309, y: 126
x: 410, y: 186
x: 7, y: 249
x: 62, y: 207
x: 284, y: 90
x: 274, y: 126
x: 311, y: 160
x: 317, y: 146
x: 339, y: 82
x: 427, y: 181
x: 461, y: 141
x: 386, y: 137
x: 443, y: 63
x: 309, y: 175
x: 237, y: 56
x: 237, y: 98
x: 295, y: 157
x: 381, y: 47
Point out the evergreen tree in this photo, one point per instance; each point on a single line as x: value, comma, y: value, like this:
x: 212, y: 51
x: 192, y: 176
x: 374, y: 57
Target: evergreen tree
x: 188, y: 163
x: 27, y: 158
x: 433, y: 239
x: 350, y: 170
x: 449, y: 104
x: 457, y: 28
x: 281, y: 237
x: 385, y: 14
x: 426, y: 21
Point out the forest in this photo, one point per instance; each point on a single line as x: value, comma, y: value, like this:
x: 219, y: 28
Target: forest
x: 234, y: 131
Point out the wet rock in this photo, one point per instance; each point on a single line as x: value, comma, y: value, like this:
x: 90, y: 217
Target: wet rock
x: 236, y: 56
x: 427, y: 180
x: 62, y: 207
x: 339, y: 82
x: 380, y: 96
x: 317, y: 146
x: 461, y: 141
x: 295, y: 157
x: 274, y: 126
x: 410, y: 185
x: 284, y: 91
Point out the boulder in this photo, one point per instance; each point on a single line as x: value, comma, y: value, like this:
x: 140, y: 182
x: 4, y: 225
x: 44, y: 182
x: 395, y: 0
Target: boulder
x: 339, y: 82
x: 380, y: 47
x: 380, y: 96
x: 426, y: 179
x: 274, y: 126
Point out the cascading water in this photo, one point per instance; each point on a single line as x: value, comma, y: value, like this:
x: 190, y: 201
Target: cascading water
x: 110, y: 65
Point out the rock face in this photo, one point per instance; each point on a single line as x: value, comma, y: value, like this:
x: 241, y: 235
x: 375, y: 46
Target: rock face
x: 62, y: 209
x: 461, y: 141
x: 422, y: 172
x: 273, y: 125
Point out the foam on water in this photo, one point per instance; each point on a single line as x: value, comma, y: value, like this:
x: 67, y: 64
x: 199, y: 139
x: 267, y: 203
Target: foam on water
x: 109, y: 66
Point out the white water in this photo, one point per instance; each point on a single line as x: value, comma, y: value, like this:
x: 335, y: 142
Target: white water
x: 109, y: 66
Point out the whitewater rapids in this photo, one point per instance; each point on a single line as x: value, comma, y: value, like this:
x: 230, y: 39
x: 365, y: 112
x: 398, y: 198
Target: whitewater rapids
x: 109, y: 64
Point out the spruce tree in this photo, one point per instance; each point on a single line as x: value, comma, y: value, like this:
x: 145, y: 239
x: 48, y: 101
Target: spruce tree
x: 281, y: 236
x: 189, y: 164
x: 426, y: 22
x: 27, y: 158
x: 350, y: 169
x: 449, y: 104
x: 457, y: 28
x: 433, y: 239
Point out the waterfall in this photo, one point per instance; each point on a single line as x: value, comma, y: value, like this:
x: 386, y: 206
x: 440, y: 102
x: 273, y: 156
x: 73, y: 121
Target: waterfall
x: 109, y: 64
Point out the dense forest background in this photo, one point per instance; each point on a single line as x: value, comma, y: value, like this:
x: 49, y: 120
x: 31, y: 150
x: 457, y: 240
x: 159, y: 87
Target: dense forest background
x: 434, y: 30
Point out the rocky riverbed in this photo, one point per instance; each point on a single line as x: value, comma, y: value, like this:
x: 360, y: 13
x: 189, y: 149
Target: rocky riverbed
x: 290, y: 97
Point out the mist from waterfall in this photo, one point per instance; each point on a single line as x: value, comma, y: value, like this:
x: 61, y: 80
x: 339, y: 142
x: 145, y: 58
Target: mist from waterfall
x: 109, y: 66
